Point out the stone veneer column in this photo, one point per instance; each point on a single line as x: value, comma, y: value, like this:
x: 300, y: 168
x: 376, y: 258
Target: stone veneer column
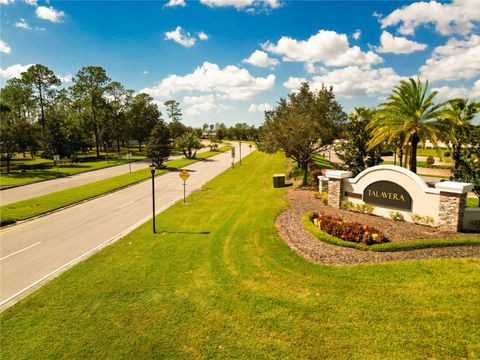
x: 335, y: 186
x: 322, y: 184
x: 453, y: 198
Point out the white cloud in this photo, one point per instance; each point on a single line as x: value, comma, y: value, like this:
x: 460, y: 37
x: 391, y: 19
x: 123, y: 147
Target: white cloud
x: 328, y: 47
x: 145, y: 72
x: 40, y: 28
x: 49, y: 13
x: 32, y: 2
x: 13, y: 71
x: 253, y: 108
x: 22, y: 24
x: 243, y: 4
x: 173, y: 3
x: 180, y: 36
x: 354, y: 81
x: 6, y: 2
x: 476, y: 89
x: 4, y: 48
x: 357, y: 34
x: 398, y: 44
x: 460, y: 17
x: 67, y: 78
x: 294, y: 83
x: 202, y: 36
x: 447, y: 92
x: 261, y: 59
x: 457, y: 59
x: 197, y: 105
x: 230, y: 82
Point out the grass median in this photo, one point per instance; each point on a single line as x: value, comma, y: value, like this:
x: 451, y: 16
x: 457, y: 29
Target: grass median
x: 26, y: 209
x: 220, y: 283
x: 46, y: 170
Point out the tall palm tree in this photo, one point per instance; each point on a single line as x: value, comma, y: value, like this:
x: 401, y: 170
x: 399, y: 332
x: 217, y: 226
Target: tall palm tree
x: 408, y: 112
x: 456, y: 120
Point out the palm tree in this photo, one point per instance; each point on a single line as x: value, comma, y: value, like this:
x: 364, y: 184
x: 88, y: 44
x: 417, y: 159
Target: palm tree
x: 409, y: 114
x: 456, y: 119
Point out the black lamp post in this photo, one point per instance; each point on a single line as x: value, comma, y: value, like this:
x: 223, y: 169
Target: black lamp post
x: 240, y: 151
x: 152, y: 170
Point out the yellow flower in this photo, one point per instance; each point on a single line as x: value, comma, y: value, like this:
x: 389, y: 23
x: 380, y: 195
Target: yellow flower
x: 374, y: 236
x: 315, y: 222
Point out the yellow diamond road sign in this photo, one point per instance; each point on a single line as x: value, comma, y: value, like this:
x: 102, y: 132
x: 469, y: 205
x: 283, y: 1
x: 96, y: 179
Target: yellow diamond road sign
x: 184, y: 175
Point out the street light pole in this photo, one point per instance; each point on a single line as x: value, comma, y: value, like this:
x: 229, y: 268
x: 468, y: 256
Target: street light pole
x: 152, y: 170
x: 240, y: 151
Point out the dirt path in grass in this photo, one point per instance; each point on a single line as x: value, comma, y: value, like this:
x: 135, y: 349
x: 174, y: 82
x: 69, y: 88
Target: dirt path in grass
x: 306, y: 245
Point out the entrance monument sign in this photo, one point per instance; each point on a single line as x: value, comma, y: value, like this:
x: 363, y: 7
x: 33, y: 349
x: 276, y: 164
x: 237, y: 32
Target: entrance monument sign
x: 393, y: 188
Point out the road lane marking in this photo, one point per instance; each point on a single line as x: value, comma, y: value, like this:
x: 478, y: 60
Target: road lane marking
x: 130, y: 202
x: 19, y: 251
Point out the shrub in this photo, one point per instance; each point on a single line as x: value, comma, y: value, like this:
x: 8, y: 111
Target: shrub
x: 422, y: 220
x: 364, y: 208
x: 7, y: 221
x: 430, y: 160
x: 348, y: 231
x: 396, y: 215
x: 325, y: 197
x: 347, y: 205
x: 446, y: 154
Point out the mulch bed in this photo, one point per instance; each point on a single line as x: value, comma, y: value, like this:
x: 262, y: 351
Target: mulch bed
x: 306, y: 245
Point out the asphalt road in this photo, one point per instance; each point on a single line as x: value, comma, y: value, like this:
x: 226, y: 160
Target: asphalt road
x: 35, y: 251
x: 29, y: 191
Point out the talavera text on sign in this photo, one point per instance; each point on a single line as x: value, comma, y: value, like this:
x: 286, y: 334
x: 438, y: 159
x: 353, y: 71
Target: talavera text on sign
x: 387, y: 194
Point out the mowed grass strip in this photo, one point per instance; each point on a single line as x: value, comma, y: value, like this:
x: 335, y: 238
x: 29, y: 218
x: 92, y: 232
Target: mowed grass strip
x: 17, y: 177
x: 26, y: 209
x: 220, y: 283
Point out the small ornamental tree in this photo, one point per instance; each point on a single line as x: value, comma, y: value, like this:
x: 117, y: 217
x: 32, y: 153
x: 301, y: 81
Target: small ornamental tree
x: 159, y: 145
x: 468, y: 169
x: 303, y: 125
x: 189, y: 143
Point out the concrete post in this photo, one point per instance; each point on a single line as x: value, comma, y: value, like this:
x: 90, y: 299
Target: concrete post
x: 335, y: 186
x: 453, y: 198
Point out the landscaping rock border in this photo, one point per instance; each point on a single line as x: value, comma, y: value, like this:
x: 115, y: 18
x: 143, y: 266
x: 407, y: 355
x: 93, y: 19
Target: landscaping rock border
x: 307, y: 246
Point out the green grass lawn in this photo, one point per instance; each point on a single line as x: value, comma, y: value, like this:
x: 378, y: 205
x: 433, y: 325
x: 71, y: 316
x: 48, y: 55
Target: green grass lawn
x: 42, y: 169
x: 220, y: 283
x: 435, y: 153
x: 322, y: 162
x: 25, y: 209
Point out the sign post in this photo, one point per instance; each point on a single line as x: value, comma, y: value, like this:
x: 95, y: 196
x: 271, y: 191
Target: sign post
x: 233, y: 158
x: 56, y: 159
x: 129, y: 157
x: 184, y: 175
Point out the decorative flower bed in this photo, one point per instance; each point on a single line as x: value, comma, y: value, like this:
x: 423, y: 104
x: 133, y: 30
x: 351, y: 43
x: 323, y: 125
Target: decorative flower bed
x: 348, y: 231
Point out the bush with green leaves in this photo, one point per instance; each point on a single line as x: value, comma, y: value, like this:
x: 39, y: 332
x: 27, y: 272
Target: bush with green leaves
x: 422, y: 220
x: 396, y: 215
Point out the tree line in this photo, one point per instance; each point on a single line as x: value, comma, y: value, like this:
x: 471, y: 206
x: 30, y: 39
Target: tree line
x: 39, y: 116
x: 309, y: 122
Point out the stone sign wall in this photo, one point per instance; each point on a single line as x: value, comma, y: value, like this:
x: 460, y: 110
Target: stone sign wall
x: 393, y: 189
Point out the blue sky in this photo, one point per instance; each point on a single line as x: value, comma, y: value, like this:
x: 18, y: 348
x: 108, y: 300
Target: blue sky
x: 228, y: 60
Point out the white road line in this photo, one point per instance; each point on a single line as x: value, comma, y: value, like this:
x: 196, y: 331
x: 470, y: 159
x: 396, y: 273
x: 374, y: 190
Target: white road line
x: 130, y: 202
x: 19, y: 251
